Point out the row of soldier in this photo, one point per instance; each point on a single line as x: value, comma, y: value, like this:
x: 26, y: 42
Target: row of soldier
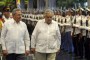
x: 75, y: 30
x: 74, y: 27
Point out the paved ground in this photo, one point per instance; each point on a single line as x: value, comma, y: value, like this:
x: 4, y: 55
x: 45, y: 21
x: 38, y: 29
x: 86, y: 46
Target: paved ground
x: 66, y: 56
x: 61, y: 56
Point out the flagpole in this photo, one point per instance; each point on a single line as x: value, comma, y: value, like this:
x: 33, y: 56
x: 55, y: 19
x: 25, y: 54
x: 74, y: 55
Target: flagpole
x: 18, y: 4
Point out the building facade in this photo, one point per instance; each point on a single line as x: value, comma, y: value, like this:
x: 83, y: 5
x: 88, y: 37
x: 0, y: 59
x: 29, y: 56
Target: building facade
x: 88, y: 3
x: 38, y: 4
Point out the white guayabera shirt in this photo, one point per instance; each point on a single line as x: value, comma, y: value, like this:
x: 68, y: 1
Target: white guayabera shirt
x: 46, y: 38
x: 15, y: 37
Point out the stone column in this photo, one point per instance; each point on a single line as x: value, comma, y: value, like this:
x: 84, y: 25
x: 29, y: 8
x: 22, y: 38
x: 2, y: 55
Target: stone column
x: 22, y: 4
x: 38, y: 4
x: 42, y: 2
x: 51, y: 4
x: 46, y: 4
x: 30, y: 4
x: 88, y: 3
x: 54, y: 4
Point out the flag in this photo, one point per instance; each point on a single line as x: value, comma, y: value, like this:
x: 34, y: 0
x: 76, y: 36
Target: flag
x: 18, y: 3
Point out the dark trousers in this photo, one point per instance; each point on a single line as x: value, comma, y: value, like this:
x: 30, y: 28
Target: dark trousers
x: 87, y: 49
x: 81, y: 46
x: 75, y: 44
x: 15, y: 57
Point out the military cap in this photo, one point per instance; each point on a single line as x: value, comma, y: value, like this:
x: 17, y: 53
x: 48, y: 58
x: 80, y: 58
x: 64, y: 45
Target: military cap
x: 69, y: 10
x: 87, y: 11
x: 73, y: 9
x: 6, y: 9
x: 80, y: 9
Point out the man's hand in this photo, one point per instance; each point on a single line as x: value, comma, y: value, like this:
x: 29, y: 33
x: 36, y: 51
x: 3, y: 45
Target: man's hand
x: 33, y: 50
x: 58, y: 52
x: 4, y: 52
x: 27, y: 52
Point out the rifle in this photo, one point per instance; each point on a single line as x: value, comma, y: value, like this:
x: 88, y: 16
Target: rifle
x: 61, y: 20
x: 81, y: 30
x: 64, y: 26
x: 86, y: 26
x: 74, y: 22
x: 74, y: 27
x: 86, y: 30
x: 61, y: 26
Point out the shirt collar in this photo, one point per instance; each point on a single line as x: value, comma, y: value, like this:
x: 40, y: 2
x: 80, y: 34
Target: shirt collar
x: 46, y: 23
x: 16, y: 22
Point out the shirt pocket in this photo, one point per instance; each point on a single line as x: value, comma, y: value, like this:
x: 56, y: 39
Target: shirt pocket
x: 41, y: 43
x: 11, y: 28
x: 21, y: 31
x: 42, y: 30
x: 53, y: 44
x: 10, y: 45
x: 52, y: 32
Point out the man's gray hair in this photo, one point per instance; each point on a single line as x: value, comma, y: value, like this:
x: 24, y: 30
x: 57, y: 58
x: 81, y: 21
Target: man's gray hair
x: 14, y: 11
x: 48, y: 11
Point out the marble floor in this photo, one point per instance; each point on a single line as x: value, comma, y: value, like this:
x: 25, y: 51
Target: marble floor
x: 63, y: 55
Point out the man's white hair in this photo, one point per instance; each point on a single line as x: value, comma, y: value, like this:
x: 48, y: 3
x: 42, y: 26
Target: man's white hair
x: 14, y: 11
x: 48, y: 11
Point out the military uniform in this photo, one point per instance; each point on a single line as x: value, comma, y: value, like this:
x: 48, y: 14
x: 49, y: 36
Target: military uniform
x: 79, y: 33
x: 68, y: 45
x: 76, y: 32
x: 87, y: 41
x: 60, y: 20
x: 82, y: 37
x: 6, y: 13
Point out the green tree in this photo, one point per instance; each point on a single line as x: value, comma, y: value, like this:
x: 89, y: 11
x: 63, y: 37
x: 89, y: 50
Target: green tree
x: 68, y: 3
x: 64, y: 3
x: 6, y: 2
x: 10, y: 3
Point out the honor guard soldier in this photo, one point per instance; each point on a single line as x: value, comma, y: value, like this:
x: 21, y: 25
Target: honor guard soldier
x: 6, y: 13
x: 83, y: 33
x: 77, y: 22
x: 60, y: 20
x: 68, y: 45
x: 87, y: 41
x: 57, y: 15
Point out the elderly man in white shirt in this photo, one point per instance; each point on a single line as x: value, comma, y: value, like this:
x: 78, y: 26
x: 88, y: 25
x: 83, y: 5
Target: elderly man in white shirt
x: 15, y: 38
x: 46, y: 38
